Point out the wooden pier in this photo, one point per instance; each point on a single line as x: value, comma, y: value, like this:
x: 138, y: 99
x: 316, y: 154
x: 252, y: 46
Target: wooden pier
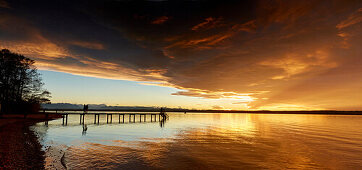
x: 109, y: 117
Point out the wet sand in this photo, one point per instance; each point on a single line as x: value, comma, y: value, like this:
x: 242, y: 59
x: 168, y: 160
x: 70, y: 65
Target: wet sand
x: 19, y: 146
x: 55, y: 157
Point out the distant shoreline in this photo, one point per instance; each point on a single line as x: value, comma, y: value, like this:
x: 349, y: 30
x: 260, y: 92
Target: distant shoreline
x: 330, y: 112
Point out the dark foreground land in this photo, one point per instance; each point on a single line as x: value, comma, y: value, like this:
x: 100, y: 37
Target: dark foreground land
x: 19, y: 146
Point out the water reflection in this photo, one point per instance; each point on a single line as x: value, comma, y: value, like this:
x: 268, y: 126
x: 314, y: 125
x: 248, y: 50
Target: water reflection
x: 85, y: 128
x: 163, y: 122
x: 212, y: 141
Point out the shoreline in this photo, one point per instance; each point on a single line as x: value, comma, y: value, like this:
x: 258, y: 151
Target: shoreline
x: 55, y: 157
x: 19, y: 146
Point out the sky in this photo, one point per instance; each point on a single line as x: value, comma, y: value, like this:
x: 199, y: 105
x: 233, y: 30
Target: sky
x: 275, y: 54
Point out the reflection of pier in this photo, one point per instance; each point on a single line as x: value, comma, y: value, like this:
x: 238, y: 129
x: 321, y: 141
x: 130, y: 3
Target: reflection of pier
x: 131, y: 117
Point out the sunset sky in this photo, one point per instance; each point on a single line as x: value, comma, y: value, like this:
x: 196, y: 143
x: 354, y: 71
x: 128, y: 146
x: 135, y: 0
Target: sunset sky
x: 276, y: 55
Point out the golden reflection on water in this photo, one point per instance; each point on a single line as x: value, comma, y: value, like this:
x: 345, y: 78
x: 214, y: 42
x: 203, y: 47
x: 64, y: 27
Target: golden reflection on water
x: 230, y: 141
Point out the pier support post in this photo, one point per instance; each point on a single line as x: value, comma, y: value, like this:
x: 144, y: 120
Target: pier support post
x: 95, y: 118
x: 65, y: 119
x: 81, y: 118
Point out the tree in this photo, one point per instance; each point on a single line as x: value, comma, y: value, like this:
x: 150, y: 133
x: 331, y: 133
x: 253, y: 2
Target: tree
x: 19, y: 80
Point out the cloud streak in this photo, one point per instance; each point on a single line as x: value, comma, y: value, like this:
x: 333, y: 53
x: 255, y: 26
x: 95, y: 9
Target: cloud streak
x: 160, y: 20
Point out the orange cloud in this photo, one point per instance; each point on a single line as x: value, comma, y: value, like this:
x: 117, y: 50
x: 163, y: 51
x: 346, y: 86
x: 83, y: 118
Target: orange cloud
x: 287, y: 12
x: 90, y: 45
x: 346, y: 30
x: 41, y: 50
x: 353, y: 19
x: 208, y: 41
x: 101, y: 69
x: 35, y: 46
x: 209, y: 22
x: 214, y: 95
x: 249, y: 26
x: 160, y: 20
x: 293, y: 64
x: 212, y: 40
x: 166, y: 53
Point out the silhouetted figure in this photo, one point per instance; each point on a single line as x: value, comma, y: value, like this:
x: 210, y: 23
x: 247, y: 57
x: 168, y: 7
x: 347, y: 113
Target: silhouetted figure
x: 163, y: 114
x: 85, y: 109
x: 164, y: 117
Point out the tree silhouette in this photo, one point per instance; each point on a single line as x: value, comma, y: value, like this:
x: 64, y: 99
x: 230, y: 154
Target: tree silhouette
x: 19, y: 80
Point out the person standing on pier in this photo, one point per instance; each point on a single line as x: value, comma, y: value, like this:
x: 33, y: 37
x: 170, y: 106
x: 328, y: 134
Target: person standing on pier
x: 85, y: 109
x: 163, y: 114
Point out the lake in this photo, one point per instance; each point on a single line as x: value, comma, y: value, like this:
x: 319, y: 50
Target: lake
x: 209, y: 141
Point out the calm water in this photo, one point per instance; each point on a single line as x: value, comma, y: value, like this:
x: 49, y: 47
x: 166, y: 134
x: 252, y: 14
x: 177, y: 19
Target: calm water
x: 210, y: 141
